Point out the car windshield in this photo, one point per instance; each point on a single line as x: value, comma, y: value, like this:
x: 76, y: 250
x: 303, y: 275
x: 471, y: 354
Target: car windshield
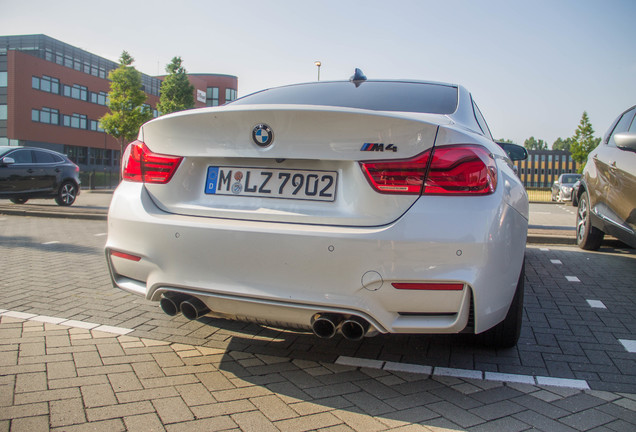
x: 371, y: 95
x: 570, y: 178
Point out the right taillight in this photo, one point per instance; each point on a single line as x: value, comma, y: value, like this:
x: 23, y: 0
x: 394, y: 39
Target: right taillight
x: 450, y: 170
x: 140, y: 164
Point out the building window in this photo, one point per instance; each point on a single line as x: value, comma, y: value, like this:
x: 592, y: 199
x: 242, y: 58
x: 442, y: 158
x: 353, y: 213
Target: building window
x: 230, y: 95
x: 78, y: 121
x: 3, y: 79
x: 212, y: 96
x: 3, y: 112
x: 46, y: 83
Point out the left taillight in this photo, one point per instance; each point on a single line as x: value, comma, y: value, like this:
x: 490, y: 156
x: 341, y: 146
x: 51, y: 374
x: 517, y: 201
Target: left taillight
x: 140, y: 164
x: 447, y: 170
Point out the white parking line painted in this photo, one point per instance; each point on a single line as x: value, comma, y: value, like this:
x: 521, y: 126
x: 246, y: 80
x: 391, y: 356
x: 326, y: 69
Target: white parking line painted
x: 544, y: 250
x: 464, y: 373
x: 79, y: 324
x: 408, y: 368
x: 48, y: 319
x: 596, y: 304
x: 65, y: 322
x: 51, y: 242
x: 563, y: 382
x: 572, y: 279
x: 19, y: 315
x: 630, y: 345
x: 101, y: 234
x: 556, y: 262
x: 359, y: 362
x: 458, y: 373
x: 512, y: 378
x: 111, y: 329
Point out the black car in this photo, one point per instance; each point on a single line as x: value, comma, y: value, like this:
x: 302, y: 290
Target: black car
x: 27, y: 172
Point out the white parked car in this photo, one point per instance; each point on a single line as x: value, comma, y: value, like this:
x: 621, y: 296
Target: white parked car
x: 356, y: 207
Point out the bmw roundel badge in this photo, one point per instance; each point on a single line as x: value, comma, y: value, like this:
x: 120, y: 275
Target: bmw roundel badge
x: 262, y: 135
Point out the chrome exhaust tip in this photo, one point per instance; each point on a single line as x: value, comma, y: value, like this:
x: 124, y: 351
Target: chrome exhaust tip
x: 354, y: 328
x: 325, y: 326
x: 193, y: 308
x: 171, y: 302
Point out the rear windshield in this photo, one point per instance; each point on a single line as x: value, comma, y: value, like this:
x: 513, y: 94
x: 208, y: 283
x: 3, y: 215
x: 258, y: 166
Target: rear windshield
x: 370, y: 95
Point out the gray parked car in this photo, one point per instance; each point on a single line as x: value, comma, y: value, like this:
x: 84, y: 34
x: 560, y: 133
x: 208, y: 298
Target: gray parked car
x: 607, y: 195
x: 562, y: 187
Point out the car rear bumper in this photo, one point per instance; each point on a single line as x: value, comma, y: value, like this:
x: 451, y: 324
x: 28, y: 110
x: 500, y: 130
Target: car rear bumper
x: 284, y: 274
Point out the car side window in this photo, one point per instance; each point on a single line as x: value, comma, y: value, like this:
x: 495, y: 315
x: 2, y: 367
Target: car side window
x: 44, y: 157
x: 22, y: 156
x: 481, y: 121
x: 623, y: 125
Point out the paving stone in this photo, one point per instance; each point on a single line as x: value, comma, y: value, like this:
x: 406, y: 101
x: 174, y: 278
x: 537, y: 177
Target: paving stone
x: 172, y: 410
x: 143, y: 423
x: 31, y: 424
x: 67, y: 412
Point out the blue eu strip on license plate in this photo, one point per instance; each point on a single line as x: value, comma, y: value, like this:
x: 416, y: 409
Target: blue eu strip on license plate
x: 272, y: 183
x: 211, y: 180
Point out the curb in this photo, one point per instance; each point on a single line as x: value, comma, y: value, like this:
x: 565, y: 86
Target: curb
x: 62, y: 215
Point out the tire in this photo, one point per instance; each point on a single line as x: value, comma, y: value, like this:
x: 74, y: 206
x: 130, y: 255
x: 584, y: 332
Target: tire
x: 575, y: 200
x: 67, y: 194
x: 587, y: 236
x: 506, y: 333
x: 19, y: 200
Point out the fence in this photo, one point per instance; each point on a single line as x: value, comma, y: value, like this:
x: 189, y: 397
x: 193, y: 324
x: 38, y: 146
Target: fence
x: 539, y: 194
x: 99, y: 179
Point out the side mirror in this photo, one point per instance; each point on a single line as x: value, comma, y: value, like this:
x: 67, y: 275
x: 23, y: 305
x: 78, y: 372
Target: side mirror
x: 515, y: 152
x: 626, y: 141
x: 7, y: 160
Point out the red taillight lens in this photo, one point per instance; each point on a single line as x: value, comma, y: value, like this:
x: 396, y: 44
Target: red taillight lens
x: 139, y: 164
x: 461, y: 170
x: 398, y: 177
x: 452, y: 170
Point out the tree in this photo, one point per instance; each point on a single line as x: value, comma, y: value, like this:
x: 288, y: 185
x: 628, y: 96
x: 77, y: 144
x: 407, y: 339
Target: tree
x: 126, y: 103
x: 532, y: 144
x: 562, y: 144
x: 583, y: 141
x: 505, y: 141
x: 177, y: 93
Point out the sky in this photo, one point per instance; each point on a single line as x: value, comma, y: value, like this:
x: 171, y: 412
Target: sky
x: 533, y: 67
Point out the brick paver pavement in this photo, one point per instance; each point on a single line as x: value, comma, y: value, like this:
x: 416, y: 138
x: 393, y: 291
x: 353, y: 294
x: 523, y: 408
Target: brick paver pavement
x: 54, y: 377
x: 250, y: 375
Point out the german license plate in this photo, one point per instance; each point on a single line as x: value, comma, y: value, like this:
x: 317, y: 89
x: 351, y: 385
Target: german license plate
x: 272, y: 183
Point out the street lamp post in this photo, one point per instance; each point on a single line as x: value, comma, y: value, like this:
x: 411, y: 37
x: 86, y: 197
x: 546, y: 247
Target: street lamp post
x: 318, y: 64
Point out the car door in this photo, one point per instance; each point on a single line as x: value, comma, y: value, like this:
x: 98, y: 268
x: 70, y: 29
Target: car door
x: 616, y: 181
x: 20, y: 176
x: 48, y: 170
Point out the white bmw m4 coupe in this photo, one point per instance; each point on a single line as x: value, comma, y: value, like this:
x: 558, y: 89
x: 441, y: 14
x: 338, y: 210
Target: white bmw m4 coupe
x: 351, y: 207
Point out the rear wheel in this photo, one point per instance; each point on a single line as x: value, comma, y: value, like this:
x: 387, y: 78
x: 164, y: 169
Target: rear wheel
x: 19, y: 200
x: 506, y: 333
x: 67, y: 194
x: 587, y: 236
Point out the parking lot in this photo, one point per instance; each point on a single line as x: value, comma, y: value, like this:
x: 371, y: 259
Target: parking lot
x: 77, y: 353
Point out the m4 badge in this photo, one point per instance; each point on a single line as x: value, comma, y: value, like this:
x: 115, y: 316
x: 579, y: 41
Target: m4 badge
x: 378, y: 147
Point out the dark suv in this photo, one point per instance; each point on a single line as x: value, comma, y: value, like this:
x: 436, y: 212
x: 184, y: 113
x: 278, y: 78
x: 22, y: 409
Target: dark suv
x: 27, y: 172
x: 607, y: 195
